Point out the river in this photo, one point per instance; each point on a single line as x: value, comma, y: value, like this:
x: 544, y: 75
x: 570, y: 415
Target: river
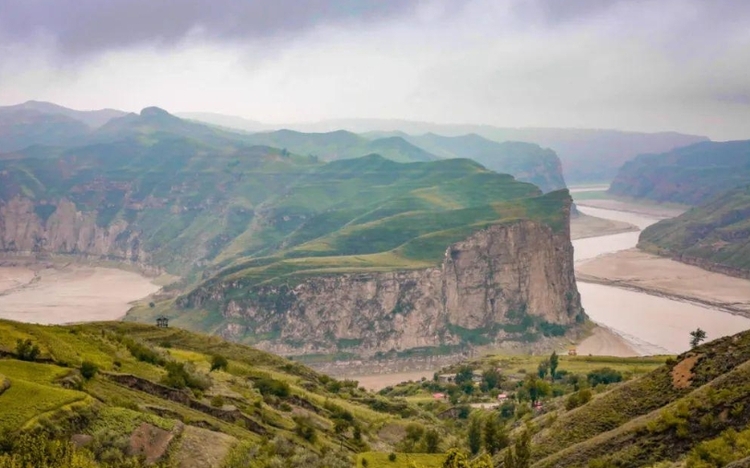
x: 651, y: 324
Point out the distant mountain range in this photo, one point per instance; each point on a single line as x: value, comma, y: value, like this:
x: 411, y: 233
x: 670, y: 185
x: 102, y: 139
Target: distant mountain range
x: 690, y: 175
x: 587, y: 155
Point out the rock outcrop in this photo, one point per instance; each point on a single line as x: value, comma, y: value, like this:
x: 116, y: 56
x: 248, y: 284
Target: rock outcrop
x: 511, y: 281
x: 66, y: 231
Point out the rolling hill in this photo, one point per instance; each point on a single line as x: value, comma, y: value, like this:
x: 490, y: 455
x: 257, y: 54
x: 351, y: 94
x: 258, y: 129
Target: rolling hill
x: 527, y: 162
x: 237, y: 221
x: 688, y: 175
x: 714, y: 235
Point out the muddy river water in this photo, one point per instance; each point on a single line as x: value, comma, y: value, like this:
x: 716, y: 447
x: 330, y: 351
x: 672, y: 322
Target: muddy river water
x: 652, y: 324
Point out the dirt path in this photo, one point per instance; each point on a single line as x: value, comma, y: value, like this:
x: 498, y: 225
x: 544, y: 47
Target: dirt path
x: 73, y: 293
x: 664, y: 277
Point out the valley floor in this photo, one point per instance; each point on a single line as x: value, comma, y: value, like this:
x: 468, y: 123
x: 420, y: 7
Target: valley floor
x: 43, y: 293
x: 656, y: 275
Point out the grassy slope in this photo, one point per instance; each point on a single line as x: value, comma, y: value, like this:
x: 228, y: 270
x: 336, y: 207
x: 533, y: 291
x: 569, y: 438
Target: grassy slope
x: 35, y: 389
x: 717, y: 231
x: 650, y: 419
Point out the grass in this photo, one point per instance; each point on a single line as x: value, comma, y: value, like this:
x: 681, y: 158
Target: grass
x: 24, y: 401
x: 403, y: 460
x: 32, y: 371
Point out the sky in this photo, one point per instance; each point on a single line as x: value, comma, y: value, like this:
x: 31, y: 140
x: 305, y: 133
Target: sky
x: 642, y: 65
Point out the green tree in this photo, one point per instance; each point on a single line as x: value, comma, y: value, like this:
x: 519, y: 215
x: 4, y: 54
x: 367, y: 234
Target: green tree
x: 89, y: 369
x: 543, y: 369
x: 465, y: 374
x: 431, y: 441
x: 475, y: 435
x: 697, y: 337
x: 219, y: 363
x: 491, y: 378
x: 495, y: 435
x: 26, y: 350
x: 554, y: 362
x: 519, y: 456
x: 536, y: 388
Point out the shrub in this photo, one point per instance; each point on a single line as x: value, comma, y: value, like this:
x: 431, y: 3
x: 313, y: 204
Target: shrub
x: 219, y: 363
x: 178, y: 376
x: 27, y: 350
x: 605, y: 376
x: 391, y: 457
x: 581, y: 397
x: 89, y: 369
x: 268, y: 386
x: 305, y: 428
x: 217, y: 401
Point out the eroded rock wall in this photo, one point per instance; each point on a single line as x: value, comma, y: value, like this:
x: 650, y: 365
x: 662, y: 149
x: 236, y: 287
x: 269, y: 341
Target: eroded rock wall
x: 497, y: 279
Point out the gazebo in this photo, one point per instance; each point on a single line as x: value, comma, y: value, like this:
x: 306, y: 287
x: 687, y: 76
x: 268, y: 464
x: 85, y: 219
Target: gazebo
x: 162, y: 321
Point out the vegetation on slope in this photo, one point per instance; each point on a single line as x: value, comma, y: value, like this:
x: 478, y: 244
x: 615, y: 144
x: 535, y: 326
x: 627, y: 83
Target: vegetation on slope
x: 714, y: 235
x: 102, y: 384
x: 689, y: 175
x: 527, y: 162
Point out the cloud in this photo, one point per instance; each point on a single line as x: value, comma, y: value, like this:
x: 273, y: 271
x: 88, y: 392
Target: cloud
x: 83, y: 27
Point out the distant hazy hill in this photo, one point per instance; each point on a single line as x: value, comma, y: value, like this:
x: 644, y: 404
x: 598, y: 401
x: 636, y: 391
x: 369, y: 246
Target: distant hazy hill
x: 227, y: 121
x: 527, y: 162
x: 690, y: 175
x: 587, y: 155
x: 43, y: 123
x: 714, y: 235
x: 341, y: 144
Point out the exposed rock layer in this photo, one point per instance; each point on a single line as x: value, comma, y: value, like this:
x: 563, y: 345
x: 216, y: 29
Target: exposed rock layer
x: 500, y: 282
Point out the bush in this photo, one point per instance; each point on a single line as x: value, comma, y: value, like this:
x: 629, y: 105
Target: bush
x: 605, y: 376
x: 27, y: 350
x: 219, y: 363
x: 391, y: 457
x: 89, y: 370
x: 270, y: 386
x: 178, y: 376
x: 305, y: 428
x: 217, y: 401
x: 581, y: 397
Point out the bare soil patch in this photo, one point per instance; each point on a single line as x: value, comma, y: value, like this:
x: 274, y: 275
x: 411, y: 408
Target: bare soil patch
x: 682, y: 373
x: 201, y: 448
x: 150, y: 442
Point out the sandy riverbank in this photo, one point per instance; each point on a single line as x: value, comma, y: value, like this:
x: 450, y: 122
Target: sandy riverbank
x: 604, y: 342
x: 585, y: 226
x: 664, y: 277
x: 71, y: 293
x: 655, y: 210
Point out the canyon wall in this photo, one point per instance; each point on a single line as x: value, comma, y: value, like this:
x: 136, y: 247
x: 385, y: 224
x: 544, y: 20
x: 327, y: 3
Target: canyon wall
x: 507, y: 282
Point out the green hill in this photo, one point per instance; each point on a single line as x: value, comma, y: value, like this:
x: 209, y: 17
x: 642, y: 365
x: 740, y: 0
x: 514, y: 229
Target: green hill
x: 126, y: 391
x: 714, y: 235
x: 341, y: 144
x: 689, y: 175
x: 527, y: 162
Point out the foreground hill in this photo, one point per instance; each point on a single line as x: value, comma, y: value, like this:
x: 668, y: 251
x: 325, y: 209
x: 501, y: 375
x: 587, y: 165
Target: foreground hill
x: 127, y: 392
x: 360, y: 255
x: 689, y: 175
x: 714, y: 235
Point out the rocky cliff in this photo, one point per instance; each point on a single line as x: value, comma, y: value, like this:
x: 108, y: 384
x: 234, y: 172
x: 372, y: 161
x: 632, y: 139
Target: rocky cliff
x: 506, y: 282
x: 24, y: 229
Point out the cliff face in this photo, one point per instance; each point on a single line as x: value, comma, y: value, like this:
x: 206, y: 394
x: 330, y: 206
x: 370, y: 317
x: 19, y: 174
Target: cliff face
x: 65, y: 231
x: 505, y: 282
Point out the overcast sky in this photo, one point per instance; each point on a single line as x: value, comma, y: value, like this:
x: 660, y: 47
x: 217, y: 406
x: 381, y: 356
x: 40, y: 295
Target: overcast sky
x: 657, y: 65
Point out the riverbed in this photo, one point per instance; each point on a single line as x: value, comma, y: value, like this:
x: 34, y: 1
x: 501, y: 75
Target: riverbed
x: 56, y: 294
x: 649, y: 323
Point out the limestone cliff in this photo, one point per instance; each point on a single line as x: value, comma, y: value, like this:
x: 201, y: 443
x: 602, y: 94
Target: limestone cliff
x: 23, y: 230
x: 511, y: 281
